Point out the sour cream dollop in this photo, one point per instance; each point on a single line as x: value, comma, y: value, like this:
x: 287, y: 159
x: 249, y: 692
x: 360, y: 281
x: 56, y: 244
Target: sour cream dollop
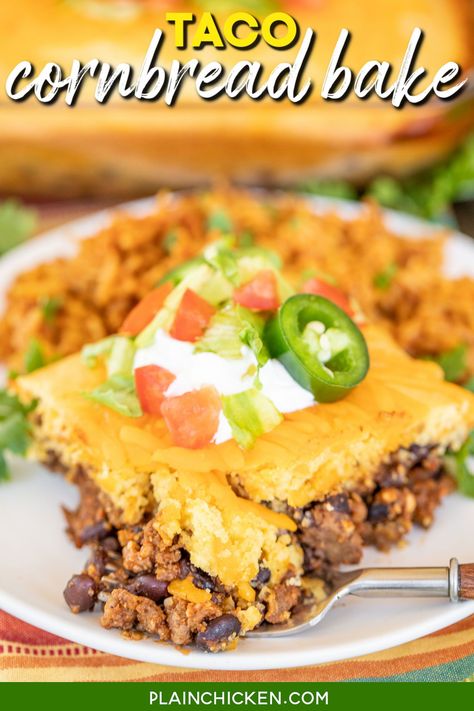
x: 229, y: 376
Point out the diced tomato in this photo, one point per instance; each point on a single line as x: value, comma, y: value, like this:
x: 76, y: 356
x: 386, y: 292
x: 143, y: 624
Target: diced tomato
x: 192, y: 317
x: 260, y: 293
x: 193, y: 418
x: 151, y: 382
x: 332, y: 293
x: 145, y: 311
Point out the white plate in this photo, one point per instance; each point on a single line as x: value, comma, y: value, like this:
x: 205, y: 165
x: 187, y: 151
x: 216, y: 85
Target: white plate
x: 36, y: 558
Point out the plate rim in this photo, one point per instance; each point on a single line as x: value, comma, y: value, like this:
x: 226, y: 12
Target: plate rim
x: 109, y: 641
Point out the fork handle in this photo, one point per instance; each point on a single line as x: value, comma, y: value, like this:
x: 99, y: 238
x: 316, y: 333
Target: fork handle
x: 455, y: 582
x: 466, y: 581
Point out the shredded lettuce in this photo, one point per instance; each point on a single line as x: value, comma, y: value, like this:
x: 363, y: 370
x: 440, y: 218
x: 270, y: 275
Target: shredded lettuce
x: 222, y: 335
x: 93, y: 352
x: 117, y: 393
x: 224, y: 261
x: 120, y: 360
x: 251, y: 336
x: 118, y: 353
x: 250, y: 415
x: 229, y: 330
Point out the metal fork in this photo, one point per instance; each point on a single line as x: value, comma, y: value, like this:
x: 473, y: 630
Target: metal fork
x: 455, y: 582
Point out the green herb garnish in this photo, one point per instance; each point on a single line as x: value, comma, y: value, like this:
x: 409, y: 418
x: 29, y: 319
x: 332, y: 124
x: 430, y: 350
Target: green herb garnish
x: 246, y: 239
x: 220, y: 220
x: 469, y: 385
x: 50, y: 306
x: 454, y: 363
x: 34, y: 357
x: 383, y: 280
x: 429, y: 194
x: 339, y: 189
x: 17, y: 223
x: 14, y: 429
x: 460, y: 465
x: 169, y: 241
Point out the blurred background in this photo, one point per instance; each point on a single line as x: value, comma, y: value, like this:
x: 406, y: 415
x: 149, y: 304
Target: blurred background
x: 58, y: 162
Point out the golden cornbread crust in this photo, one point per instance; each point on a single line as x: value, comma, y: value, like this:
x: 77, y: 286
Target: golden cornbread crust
x: 312, y: 454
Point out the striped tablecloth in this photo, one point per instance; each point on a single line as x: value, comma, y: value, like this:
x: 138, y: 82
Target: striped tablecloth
x: 29, y: 654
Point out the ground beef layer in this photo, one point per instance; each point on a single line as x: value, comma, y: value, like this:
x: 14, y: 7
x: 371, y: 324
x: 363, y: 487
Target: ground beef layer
x: 406, y: 490
x: 130, y: 570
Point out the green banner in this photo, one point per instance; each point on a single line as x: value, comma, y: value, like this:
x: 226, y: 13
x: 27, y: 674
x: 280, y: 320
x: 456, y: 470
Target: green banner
x: 172, y: 696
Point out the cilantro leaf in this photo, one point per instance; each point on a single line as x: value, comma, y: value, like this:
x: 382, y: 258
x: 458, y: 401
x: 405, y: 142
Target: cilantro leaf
x: 383, y: 280
x: 428, y: 194
x: 339, y: 189
x: 17, y: 223
x: 50, y: 306
x: 454, y: 363
x: 34, y: 357
x: 246, y: 239
x: 220, y: 220
x: 470, y: 384
x: 460, y: 465
x: 91, y: 352
x: 169, y: 241
x: 15, y: 431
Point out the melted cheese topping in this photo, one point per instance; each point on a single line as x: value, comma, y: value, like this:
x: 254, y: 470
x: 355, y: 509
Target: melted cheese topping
x: 312, y: 453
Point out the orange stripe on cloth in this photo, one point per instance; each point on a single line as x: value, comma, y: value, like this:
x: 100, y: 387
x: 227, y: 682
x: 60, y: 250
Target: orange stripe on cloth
x: 29, y: 654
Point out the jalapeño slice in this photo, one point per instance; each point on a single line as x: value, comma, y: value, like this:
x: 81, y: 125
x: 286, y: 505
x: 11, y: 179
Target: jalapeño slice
x: 319, y: 345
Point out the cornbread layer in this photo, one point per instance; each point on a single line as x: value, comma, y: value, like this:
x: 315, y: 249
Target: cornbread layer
x: 314, y: 453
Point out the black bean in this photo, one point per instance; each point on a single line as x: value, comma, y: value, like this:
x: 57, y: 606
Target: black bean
x: 339, y: 502
x: 203, y: 580
x: 378, y: 512
x: 218, y: 631
x: 149, y: 586
x: 110, y: 544
x: 184, y: 568
x: 420, y: 452
x: 392, y: 476
x: 97, y: 561
x: 262, y: 577
x: 80, y: 593
x: 95, y: 531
